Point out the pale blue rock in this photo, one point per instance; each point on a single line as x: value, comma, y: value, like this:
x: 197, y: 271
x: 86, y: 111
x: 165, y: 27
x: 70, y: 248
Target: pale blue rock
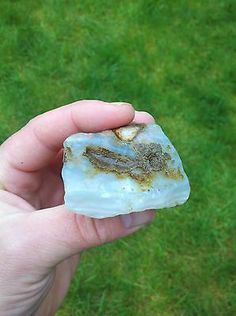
x: 120, y: 171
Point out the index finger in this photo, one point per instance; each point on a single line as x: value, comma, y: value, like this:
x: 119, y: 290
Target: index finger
x: 36, y: 144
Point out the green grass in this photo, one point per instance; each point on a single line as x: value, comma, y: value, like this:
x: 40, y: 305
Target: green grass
x: 174, y: 59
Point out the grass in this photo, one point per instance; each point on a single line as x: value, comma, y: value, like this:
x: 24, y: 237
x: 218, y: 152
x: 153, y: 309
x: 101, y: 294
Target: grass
x: 174, y: 59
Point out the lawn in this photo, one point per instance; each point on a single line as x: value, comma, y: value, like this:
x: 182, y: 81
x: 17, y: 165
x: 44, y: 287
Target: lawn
x: 174, y: 59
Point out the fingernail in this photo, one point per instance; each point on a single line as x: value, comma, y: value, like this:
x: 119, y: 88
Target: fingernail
x: 137, y: 219
x: 119, y: 103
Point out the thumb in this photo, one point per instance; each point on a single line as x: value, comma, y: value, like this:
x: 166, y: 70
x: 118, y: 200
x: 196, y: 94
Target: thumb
x: 57, y: 233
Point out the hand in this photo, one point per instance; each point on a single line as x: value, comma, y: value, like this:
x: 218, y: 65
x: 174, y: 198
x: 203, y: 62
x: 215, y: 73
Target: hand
x: 41, y: 241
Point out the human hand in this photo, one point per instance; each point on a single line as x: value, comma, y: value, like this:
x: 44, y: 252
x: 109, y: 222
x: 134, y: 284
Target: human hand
x: 41, y: 241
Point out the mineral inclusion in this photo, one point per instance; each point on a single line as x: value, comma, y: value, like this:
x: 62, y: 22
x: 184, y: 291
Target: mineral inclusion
x: 129, y: 169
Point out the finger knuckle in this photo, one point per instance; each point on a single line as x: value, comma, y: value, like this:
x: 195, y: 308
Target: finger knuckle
x: 91, y: 233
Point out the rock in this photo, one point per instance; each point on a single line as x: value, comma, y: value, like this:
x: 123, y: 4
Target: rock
x: 129, y: 169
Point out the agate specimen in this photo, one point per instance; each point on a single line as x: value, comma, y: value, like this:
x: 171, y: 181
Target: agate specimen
x: 132, y: 168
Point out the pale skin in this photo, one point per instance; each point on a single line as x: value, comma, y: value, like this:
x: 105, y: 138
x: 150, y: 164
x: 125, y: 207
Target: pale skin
x: 41, y: 241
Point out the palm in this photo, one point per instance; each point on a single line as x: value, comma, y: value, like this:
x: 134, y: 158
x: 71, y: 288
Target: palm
x: 45, y: 189
x: 62, y: 276
x: 55, y: 283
